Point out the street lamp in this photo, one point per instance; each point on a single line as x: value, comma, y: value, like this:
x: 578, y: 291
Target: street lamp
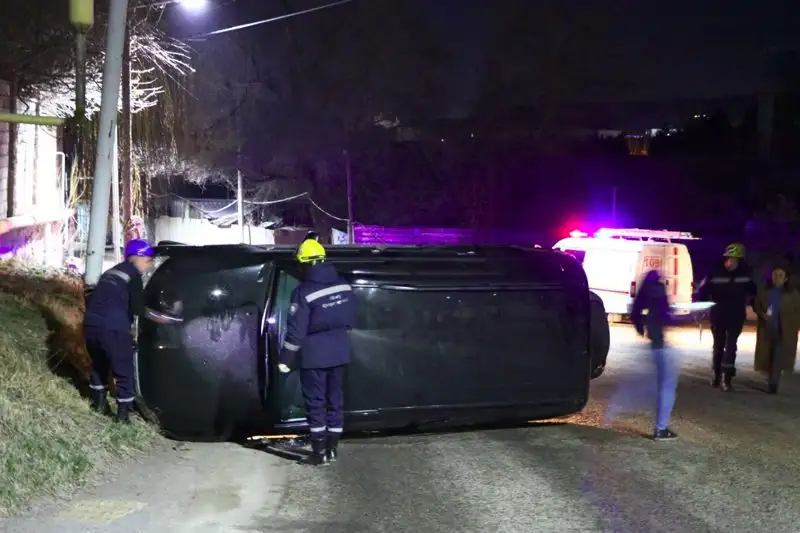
x: 193, y: 5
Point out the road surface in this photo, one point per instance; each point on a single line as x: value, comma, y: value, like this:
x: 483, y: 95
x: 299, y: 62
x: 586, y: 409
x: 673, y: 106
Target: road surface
x: 736, y: 468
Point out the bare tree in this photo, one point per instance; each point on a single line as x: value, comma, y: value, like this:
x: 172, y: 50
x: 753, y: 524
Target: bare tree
x: 294, y: 95
x: 37, y: 55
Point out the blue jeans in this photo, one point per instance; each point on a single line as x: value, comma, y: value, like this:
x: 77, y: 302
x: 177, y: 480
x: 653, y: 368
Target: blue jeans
x: 638, y: 390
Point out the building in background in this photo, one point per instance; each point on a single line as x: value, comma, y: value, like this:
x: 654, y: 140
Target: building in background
x: 33, y: 216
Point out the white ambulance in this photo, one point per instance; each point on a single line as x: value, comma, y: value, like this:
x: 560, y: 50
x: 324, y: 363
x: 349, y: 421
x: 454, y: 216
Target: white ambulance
x: 615, y: 261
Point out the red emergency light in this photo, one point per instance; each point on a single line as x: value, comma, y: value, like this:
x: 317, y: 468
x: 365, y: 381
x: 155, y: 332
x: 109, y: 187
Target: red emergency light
x: 577, y: 234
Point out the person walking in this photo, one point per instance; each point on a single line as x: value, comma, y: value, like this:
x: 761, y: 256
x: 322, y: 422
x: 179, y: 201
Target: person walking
x: 652, y: 298
x: 731, y: 287
x: 777, y: 306
x: 322, y: 311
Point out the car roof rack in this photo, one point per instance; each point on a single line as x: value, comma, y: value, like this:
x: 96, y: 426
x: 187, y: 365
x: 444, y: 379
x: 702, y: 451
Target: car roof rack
x: 645, y: 234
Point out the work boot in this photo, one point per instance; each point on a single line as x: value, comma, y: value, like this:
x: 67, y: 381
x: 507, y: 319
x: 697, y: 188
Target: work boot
x: 715, y: 381
x: 772, y: 388
x: 124, y: 413
x: 332, y: 448
x: 100, y: 402
x: 318, y: 456
x: 727, y: 385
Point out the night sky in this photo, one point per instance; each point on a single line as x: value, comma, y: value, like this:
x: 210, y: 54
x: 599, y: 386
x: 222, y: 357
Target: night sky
x: 670, y: 50
x: 676, y: 49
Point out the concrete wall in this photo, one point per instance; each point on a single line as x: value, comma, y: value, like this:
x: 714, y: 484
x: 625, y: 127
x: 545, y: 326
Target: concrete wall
x: 39, y: 243
x: 201, y: 232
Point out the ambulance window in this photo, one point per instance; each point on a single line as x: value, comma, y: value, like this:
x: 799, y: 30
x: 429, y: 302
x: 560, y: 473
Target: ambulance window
x: 579, y: 255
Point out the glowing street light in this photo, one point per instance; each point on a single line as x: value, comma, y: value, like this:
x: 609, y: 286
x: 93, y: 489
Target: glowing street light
x: 193, y: 5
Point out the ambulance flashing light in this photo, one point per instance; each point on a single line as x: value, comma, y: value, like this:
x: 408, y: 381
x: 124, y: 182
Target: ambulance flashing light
x: 609, y: 233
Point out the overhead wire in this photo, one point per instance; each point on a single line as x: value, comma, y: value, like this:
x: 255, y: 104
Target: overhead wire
x: 267, y: 21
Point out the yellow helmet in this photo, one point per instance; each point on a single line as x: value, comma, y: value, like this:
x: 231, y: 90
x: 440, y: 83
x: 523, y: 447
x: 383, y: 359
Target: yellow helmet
x: 735, y: 251
x: 310, y: 251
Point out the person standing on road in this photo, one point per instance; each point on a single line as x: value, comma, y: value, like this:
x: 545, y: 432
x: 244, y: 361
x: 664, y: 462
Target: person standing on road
x: 320, y: 315
x: 652, y: 297
x: 731, y: 287
x: 777, y: 306
x: 107, y: 324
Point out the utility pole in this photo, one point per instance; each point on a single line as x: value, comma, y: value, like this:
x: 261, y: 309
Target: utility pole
x: 239, y: 178
x: 112, y: 70
x: 126, y: 134
x: 351, y: 239
x: 116, y: 227
x: 240, y: 203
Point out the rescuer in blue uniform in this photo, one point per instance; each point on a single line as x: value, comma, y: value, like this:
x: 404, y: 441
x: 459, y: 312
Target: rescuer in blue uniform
x: 110, y: 310
x: 731, y: 287
x: 316, y: 343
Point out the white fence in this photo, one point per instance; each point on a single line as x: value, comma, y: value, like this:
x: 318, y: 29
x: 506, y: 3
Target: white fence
x: 199, y: 232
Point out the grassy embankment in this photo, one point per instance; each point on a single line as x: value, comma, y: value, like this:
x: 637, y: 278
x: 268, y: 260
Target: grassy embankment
x: 50, y: 441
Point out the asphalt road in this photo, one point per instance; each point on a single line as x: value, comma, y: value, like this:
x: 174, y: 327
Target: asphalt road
x: 735, y: 468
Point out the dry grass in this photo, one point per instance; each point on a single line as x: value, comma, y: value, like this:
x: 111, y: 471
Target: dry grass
x: 50, y: 441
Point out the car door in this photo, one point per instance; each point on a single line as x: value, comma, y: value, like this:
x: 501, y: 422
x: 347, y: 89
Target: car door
x: 285, y: 393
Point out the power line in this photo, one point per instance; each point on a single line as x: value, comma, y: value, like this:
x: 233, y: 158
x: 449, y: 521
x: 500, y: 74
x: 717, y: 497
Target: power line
x: 315, y: 204
x: 271, y: 202
x: 266, y: 21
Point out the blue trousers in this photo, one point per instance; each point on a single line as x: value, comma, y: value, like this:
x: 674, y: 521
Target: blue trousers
x: 324, y: 397
x: 638, y: 390
x: 111, y: 351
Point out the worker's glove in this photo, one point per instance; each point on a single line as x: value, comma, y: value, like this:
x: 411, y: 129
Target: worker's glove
x: 283, y: 368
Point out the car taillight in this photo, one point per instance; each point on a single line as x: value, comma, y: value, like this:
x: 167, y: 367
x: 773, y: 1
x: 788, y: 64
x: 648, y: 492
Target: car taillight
x: 633, y: 289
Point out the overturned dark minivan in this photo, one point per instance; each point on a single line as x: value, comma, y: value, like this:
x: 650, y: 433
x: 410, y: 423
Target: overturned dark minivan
x: 444, y: 335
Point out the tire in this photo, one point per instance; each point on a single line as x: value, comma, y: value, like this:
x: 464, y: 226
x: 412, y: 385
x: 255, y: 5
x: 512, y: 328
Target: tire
x: 600, y: 336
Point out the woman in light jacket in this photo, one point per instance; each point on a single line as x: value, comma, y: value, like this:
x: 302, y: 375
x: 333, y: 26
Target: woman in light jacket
x: 777, y: 305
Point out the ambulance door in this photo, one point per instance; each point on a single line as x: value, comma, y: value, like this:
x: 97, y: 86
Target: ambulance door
x: 684, y: 275
x: 653, y: 257
x: 670, y: 270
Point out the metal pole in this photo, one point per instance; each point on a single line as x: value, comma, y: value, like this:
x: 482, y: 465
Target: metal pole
x: 98, y: 221
x: 80, y: 76
x: 116, y: 228
x: 350, y: 217
x: 126, y: 138
x: 240, y: 203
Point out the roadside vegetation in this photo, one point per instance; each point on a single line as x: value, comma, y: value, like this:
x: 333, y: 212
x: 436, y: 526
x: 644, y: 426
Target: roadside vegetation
x: 50, y: 441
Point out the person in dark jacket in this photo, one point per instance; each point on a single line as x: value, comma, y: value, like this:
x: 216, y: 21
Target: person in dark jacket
x: 107, y: 323
x: 731, y: 287
x: 652, y: 297
x: 320, y: 315
x: 777, y: 306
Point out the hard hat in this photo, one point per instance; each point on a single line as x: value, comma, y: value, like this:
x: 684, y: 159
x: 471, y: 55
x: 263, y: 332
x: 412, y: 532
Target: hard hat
x: 735, y: 251
x: 310, y: 251
x: 139, y: 247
